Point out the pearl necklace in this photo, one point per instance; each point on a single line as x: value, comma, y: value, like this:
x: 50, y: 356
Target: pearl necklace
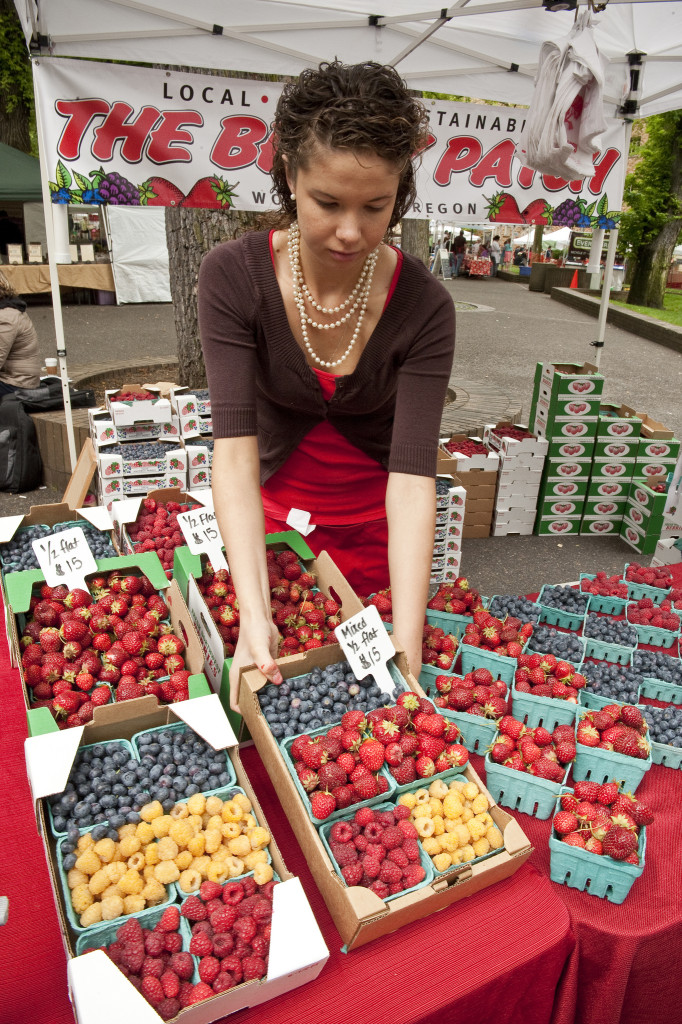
x: 359, y: 297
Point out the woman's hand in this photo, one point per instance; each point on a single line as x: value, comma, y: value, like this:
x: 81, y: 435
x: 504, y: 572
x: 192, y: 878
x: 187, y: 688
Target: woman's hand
x: 257, y: 646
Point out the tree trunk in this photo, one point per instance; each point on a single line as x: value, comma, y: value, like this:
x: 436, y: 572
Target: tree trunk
x: 415, y: 238
x: 537, y: 239
x: 652, y: 267
x: 190, y: 234
x: 15, y: 113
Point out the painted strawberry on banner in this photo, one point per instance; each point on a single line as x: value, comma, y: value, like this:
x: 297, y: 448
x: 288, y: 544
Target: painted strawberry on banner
x: 210, y: 193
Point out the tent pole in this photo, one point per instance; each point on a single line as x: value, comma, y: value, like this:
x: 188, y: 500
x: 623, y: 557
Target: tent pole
x: 608, y: 269
x: 54, y: 273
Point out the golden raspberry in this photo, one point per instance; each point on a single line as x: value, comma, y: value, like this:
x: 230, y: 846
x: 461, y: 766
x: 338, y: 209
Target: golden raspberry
x: 495, y: 838
x: 467, y: 853
x: 184, y: 859
x: 181, y: 832
x: 422, y: 811
x: 436, y: 806
x: 166, y: 871
x: 197, y: 822
x: 452, y: 806
x: 179, y: 811
x: 98, y: 882
x: 462, y: 834
x: 201, y: 864
x: 115, y: 871
x: 467, y: 815
x: 190, y: 880
x: 425, y: 827
x: 154, y: 892
x: 196, y: 804
x: 126, y: 830
x: 481, y: 847
x: 407, y: 800
x: 438, y: 825
x: 438, y: 789
x: 431, y: 846
x: 214, y: 839
x: 213, y: 823
x: 259, y: 837
x: 129, y: 845
x: 132, y: 883
x: 235, y: 866
x: 133, y: 904
x: 151, y: 854
x: 248, y: 822
x: 91, y: 915
x: 479, y: 804
x: 168, y: 848
x: 448, y: 842
x: 238, y: 847
x: 197, y: 845
x: 76, y: 877
x: 255, y: 857
x: 161, y: 826
x: 214, y: 805
x: 105, y: 850
x: 232, y: 811
x: 476, y: 829
x: 145, y: 831
x: 151, y: 810
x: 457, y: 786
x: 230, y: 830
x: 262, y: 873
x: 137, y: 861
x: 89, y: 862
x: 422, y: 796
x: 85, y: 842
x: 81, y: 898
x: 470, y: 791
x: 111, y: 890
x: 112, y: 907
x: 442, y: 861
x: 243, y: 801
x: 217, y: 872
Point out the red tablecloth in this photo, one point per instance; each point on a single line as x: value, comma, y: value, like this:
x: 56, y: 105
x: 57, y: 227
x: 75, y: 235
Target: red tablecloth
x: 476, y: 267
x: 506, y: 955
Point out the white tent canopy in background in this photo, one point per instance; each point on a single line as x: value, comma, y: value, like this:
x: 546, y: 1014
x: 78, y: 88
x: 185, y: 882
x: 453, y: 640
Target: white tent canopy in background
x: 560, y: 237
x: 483, y: 49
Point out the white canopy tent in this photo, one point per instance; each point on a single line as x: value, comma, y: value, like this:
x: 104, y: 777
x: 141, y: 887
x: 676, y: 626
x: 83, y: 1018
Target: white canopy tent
x: 559, y: 238
x: 481, y: 49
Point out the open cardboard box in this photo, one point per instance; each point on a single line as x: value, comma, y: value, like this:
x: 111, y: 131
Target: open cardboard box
x: 99, y: 992
x: 359, y: 915
x: 144, y: 410
x: 47, y: 515
x: 126, y: 510
x: 188, y: 568
x: 652, y: 428
x: 487, y: 463
x: 17, y: 603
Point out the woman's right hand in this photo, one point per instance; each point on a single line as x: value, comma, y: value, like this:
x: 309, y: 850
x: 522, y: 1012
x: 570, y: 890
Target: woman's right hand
x: 256, y: 646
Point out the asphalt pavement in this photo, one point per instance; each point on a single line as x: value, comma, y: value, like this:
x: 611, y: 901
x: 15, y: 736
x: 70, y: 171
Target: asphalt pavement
x: 497, y: 344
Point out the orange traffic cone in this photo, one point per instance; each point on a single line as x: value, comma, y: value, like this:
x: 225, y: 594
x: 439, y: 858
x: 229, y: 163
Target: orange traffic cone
x: 574, y: 282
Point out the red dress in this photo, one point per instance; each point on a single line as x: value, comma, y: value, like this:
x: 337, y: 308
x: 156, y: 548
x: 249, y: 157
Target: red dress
x: 344, y: 491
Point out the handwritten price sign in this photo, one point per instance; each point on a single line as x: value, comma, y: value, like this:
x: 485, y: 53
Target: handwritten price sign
x: 201, y: 532
x: 65, y: 558
x: 368, y: 647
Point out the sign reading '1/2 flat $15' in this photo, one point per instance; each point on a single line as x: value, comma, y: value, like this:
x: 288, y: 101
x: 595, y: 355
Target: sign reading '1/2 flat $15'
x: 200, y: 530
x: 65, y: 558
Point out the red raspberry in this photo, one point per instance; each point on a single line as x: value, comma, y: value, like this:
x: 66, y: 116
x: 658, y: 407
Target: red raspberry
x: 201, y: 944
x: 200, y: 992
x: 209, y: 969
x: 364, y: 816
x: 182, y: 964
x: 153, y: 966
x: 223, y: 919
x: 253, y: 967
x: 353, y: 873
x: 193, y: 909
x: 223, y: 982
x: 152, y: 990
x: 390, y: 872
x: 245, y: 928
x: 210, y: 891
x: 170, y: 984
x: 233, y: 893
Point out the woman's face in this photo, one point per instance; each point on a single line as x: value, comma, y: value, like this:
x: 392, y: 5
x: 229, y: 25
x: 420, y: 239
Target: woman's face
x: 344, y: 203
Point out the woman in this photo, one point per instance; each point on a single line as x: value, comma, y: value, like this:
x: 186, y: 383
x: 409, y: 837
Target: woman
x: 328, y: 355
x: 19, y: 359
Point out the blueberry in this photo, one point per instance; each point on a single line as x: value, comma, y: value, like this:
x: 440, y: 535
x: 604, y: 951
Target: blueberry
x: 69, y: 862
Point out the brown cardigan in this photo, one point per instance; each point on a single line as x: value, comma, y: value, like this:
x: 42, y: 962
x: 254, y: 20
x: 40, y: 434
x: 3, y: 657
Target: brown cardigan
x: 19, y: 358
x: 390, y: 407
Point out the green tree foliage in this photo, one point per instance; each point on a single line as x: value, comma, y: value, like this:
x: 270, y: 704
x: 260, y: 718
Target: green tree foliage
x: 17, y: 115
x: 652, y: 219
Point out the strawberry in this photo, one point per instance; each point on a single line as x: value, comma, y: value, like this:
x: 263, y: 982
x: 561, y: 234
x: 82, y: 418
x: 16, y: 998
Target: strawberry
x: 619, y: 843
x: 322, y: 804
x: 405, y: 772
x: 565, y: 822
x: 371, y: 754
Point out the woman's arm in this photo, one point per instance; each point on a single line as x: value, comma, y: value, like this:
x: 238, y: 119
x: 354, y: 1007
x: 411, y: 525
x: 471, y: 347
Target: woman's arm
x: 239, y: 511
x: 411, y: 514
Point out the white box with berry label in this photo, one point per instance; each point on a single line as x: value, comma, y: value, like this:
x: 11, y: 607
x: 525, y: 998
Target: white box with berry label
x: 600, y: 526
x: 487, y: 461
x: 141, y: 459
x: 190, y: 403
x: 495, y: 438
x: 137, y: 403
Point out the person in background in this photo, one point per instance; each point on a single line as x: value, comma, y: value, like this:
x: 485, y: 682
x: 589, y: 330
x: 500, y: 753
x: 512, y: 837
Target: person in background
x: 19, y: 358
x: 520, y: 256
x: 483, y: 252
x: 328, y: 355
x: 548, y: 253
x: 459, y: 246
x: 495, y: 255
x: 507, y: 251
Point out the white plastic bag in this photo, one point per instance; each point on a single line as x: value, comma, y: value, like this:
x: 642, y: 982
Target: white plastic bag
x: 566, y: 115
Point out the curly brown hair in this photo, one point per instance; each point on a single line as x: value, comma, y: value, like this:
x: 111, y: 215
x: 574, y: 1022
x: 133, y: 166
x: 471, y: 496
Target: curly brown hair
x: 7, y: 290
x: 348, y: 106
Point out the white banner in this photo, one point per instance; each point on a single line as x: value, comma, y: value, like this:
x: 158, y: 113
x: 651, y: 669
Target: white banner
x: 144, y: 137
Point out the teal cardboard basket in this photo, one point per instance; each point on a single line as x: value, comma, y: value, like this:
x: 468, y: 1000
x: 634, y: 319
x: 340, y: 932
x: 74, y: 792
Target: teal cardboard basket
x: 654, y: 636
x: 180, y: 727
x: 595, y: 701
x: 87, y: 825
x: 424, y: 858
x: 637, y: 590
x: 429, y: 673
x: 545, y: 711
x: 285, y: 748
x: 500, y: 665
x: 663, y: 753
x: 446, y: 776
x: 520, y: 791
x: 556, y: 617
x: 597, y: 765
x: 455, y: 624
x: 656, y: 689
x: 614, y: 653
x: 594, y: 873
x: 608, y: 605
x: 477, y: 732
x: 105, y: 933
